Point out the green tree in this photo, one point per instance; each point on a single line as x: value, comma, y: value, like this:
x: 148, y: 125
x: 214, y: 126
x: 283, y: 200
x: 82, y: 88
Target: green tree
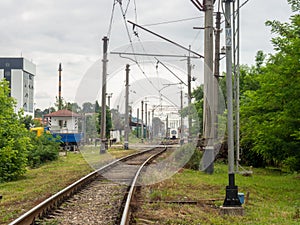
x: 14, y: 140
x: 88, y: 107
x: 270, y: 114
x: 108, y: 121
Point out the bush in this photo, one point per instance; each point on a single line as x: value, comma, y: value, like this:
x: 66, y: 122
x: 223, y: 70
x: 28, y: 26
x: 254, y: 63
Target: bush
x: 194, y: 162
x: 45, y: 148
x: 14, y: 141
x: 292, y: 164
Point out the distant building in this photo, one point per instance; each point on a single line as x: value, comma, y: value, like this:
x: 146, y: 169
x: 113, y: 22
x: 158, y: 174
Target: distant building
x: 63, y: 121
x: 20, y: 72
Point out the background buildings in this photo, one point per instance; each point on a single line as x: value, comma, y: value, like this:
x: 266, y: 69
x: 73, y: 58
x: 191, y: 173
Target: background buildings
x: 20, y: 73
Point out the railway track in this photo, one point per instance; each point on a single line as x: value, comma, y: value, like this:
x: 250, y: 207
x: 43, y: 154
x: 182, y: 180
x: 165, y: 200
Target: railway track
x: 102, y: 197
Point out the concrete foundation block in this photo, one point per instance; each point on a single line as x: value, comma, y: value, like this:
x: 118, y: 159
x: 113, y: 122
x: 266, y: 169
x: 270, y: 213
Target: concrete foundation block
x: 232, y: 211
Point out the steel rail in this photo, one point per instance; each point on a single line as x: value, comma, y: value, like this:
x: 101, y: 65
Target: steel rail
x: 126, y: 212
x: 55, y: 200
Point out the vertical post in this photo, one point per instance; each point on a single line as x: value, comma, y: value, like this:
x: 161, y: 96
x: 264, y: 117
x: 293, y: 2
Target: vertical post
x: 146, y: 124
x: 108, y: 99
x: 152, y: 136
x: 208, y: 109
x: 181, y: 117
x: 237, y: 87
x: 103, y: 105
x: 217, y: 71
x: 189, y: 68
x: 84, y: 129
x: 142, y: 125
x: 137, y: 123
x: 167, y: 127
x: 59, y: 87
x: 126, y: 108
x: 149, y: 130
x: 231, y: 199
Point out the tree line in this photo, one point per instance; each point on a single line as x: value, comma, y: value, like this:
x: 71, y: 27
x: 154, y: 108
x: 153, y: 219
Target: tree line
x: 270, y: 100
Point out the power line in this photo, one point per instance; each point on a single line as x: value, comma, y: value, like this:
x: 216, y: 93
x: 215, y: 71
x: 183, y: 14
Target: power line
x: 111, y: 19
x: 171, y: 21
x: 132, y: 48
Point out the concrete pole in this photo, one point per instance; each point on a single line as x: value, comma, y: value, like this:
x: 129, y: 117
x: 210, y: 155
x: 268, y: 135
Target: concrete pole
x: 237, y: 86
x: 189, y: 70
x: 137, y: 123
x: 126, y: 128
x: 167, y: 127
x: 152, y: 136
x: 146, y: 124
x: 59, y: 87
x: 231, y: 199
x: 103, y: 105
x: 181, y: 118
x: 208, y: 112
x: 217, y: 72
x: 149, y: 130
x: 142, y: 125
x: 109, y: 96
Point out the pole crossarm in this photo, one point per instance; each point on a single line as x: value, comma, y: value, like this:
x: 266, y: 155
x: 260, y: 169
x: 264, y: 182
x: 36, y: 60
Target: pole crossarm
x: 170, y: 71
x: 166, y: 39
x: 152, y: 54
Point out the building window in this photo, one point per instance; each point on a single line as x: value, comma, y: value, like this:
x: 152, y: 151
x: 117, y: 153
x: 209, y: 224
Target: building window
x: 60, y: 123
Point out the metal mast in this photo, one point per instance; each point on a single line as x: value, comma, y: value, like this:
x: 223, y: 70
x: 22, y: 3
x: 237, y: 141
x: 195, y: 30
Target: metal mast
x: 59, y: 87
x: 208, y: 105
x: 231, y: 198
x: 103, y: 105
x: 126, y: 108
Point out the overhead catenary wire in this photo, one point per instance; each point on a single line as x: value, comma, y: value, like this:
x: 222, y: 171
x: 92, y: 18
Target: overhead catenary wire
x: 132, y: 48
x: 111, y: 20
x: 171, y: 21
x: 166, y: 39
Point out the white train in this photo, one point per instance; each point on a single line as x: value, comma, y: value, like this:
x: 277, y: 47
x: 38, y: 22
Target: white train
x: 173, y: 134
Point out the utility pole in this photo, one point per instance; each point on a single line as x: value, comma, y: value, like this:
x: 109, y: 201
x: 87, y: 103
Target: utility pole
x: 142, y: 125
x: 236, y: 62
x: 149, y: 130
x: 189, y: 70
x: 126, y: 108
x: 167, y: 127
x: 109, y: 96
x: 231, y: 199
x: 217, y: 72
x: 59, y: 87
x: 146, y: 124
x: 181, y: 118
x: 103, y: 106
x: 208, y: 105
x: 152, y: 136
x: 137, y: 123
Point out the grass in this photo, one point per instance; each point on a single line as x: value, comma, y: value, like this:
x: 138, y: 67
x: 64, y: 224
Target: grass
x: 274, y: 198
x: 38, y: 184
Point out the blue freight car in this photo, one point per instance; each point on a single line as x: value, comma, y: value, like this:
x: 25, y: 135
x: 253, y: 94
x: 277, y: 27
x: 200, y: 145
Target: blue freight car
x: 69, y: 141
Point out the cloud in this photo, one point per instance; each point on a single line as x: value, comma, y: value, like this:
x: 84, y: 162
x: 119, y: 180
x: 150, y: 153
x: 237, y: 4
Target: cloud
x: 70, y: 32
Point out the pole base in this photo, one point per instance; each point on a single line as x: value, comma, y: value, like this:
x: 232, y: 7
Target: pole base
x: 103, y: 147
x: 208, y: 159
x: 232, y: 211
x: 232, y: 198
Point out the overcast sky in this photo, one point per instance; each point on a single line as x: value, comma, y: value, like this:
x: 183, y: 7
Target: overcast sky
x: 70, y: 31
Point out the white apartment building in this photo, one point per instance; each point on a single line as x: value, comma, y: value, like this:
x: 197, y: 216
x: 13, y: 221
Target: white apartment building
x: 20, y: 72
